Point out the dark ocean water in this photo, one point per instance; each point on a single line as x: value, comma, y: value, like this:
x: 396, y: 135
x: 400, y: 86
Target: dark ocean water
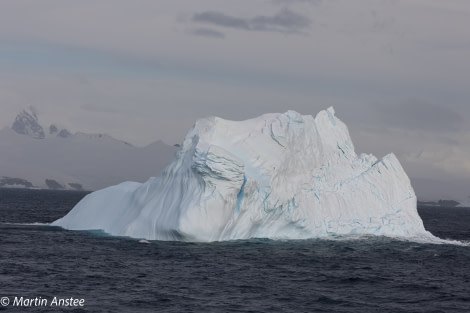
x: 124, y: 275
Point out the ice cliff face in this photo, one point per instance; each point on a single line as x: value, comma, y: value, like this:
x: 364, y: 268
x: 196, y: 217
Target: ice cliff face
x: 276, y: 176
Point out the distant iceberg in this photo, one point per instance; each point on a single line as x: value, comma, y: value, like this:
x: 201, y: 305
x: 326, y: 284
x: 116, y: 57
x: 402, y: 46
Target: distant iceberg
x: 278, y: 176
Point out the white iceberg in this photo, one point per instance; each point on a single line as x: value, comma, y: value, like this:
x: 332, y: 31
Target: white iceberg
x: 279, y: 176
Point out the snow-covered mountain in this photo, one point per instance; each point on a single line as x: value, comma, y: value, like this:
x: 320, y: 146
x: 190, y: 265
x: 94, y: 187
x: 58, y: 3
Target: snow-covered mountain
x: 26, y: 123
x: 34, y: 156
x: 287, y: 176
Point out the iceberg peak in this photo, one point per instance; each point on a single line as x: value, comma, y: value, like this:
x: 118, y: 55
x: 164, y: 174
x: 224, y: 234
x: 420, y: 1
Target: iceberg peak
x: 280, y: 175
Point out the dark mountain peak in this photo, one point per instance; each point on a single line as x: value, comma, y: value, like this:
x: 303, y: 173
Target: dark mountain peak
x: 64, y: 133
x: 26, y: 123
x: 53, y: 129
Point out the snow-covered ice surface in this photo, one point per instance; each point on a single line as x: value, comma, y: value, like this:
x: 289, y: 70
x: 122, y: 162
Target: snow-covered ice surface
x: 279, y: 176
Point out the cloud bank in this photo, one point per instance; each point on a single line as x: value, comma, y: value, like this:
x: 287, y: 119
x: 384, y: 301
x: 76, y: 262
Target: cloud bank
x: 396, y: 71
x: 286, y: 21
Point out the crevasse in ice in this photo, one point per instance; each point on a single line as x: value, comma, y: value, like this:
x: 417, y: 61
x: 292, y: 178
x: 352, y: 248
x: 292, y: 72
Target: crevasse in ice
x: 279, y: 176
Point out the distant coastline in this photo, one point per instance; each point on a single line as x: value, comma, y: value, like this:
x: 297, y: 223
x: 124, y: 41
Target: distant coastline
x: 439, y: 203
x: 13, y: 182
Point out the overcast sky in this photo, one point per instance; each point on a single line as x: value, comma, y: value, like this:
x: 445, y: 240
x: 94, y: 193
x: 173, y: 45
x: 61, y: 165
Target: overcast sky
x: 396, y: 71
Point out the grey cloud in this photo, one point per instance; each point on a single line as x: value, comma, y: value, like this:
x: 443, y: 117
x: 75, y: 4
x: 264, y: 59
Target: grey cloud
x: 287, y: 2
x: 207, y: 32
x: 221, y: 19
x: 286, y: 21
x: 422, y: 115
x: 96, y: 108
x: 380, y: 23
x: 446, y: 44
x: 446, y: 187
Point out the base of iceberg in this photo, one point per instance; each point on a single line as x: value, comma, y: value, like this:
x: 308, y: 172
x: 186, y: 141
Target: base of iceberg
x: 279, y: 176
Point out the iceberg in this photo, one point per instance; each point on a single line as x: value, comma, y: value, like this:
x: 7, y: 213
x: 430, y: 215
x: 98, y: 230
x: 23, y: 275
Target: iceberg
x: 278, y: 176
